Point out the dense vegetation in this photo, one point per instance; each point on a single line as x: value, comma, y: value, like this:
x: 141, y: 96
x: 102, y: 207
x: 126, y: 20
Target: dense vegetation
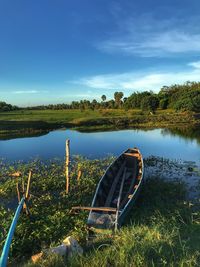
x: 179, y: 97
x: 185, y: 97
x: 162, y: 230
x: 7, y: 107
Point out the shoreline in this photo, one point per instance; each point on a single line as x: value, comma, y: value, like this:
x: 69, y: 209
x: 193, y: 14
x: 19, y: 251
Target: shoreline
x: 16, y: 129
x: 170, y: 170
x: 35, y: 122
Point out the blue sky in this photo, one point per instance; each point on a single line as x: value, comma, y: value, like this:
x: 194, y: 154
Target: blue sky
x: 63, y: 50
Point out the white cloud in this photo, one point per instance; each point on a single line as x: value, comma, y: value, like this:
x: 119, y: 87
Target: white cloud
x: 142, y: 81
x: 148, y: 37
x: 195, y: 64
x: 25, y: 92
x: 28, y: 92
x: 157, y: 45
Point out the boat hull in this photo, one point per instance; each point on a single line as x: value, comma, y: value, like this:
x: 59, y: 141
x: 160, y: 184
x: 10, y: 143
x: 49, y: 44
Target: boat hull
x: 118, y: 188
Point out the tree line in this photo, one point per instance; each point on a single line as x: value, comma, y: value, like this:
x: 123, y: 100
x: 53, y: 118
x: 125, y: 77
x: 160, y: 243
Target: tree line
x: 185, y: 97
x: 7, y: 107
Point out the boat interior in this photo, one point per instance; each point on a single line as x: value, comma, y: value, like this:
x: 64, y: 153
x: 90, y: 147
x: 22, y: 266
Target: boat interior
x: 124, y: 174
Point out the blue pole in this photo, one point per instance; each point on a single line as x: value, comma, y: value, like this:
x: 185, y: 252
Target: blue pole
x: 5, y: 251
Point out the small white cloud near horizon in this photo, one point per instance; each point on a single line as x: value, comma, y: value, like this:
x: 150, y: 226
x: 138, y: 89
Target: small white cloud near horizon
x: 142, y: 81
x: 28, y: 92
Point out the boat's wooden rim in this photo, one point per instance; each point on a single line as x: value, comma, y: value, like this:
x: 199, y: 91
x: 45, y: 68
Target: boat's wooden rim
x: 137, y: 155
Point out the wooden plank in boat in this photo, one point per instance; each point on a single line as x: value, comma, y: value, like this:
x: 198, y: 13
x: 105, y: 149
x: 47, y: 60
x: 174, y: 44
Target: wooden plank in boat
x: 114, y: 184
x: 134, y: 172
x: 95, y: 208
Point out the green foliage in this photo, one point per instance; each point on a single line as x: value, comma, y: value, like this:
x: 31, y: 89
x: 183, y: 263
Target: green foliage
x: 103, y: 97
x: 50, y: 220
x: 118, y: 96
x: 182, y: 97
x: 178, y: 97
x: 105, y: 114
x: 162, y: 229
x: 163, y: 103
x: 7, y: 107
x: 189, y: 101
x: 49, y: 261
x: 174, y: 96
x: 150, y: 102
x: 134, y: 101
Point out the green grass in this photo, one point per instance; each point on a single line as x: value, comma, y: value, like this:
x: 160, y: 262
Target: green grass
x: 60, y: 115
x: 76, y: 116
x: 50, y: 219
x: 163, y: 228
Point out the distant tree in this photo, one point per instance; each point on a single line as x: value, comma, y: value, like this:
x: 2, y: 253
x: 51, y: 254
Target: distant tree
x: 118, y: 96
x: 7, y: 107
x: 134, y: 100
x: 94, y: 104
x: 125, y: 99
x: 150, y: 103
x: 189, y: 101
x: 111, y: 103
x: 103, y: 97
x: 196, y: 103
x: 163, y: 103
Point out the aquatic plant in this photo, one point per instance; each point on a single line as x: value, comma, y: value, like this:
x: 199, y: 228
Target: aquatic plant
x: 162, y: 230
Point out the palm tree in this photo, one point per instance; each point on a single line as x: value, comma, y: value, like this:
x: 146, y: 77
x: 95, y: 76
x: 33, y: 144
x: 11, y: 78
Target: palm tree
x: 118, y: 96
x: 103, y: 97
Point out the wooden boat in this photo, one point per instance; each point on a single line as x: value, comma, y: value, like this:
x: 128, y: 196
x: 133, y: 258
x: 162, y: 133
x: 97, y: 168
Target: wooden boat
x: 116, y: 192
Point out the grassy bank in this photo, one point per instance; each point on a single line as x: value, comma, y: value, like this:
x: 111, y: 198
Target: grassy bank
x: 162, y: 230
x: 29, y: 122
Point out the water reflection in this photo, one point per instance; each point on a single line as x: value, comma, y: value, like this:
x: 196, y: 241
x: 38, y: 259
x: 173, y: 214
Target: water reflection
x: 168, y: 143
x: 188, y: 133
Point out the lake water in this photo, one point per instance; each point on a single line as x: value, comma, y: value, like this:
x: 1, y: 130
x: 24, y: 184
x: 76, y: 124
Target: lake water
x: 157, y: 142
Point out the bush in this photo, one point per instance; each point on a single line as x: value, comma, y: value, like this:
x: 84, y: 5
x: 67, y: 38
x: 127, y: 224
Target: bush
x: 189, y: 102
x: 150, y: 103
x: 163, y: 103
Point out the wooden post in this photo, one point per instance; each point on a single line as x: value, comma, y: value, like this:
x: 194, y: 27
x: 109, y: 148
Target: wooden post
x: 28, y: 185
x: 23, y: 187
x: 67, y: 166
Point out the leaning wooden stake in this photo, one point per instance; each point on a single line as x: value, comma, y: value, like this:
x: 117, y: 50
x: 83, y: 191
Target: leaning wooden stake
x: 79, y: 176
x: 67, y: 166
x: 18, y: 193
x: 26, y: 194
x: 28, y: 185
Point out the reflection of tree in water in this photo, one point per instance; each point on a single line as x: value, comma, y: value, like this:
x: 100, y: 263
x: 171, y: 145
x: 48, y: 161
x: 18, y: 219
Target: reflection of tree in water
x: 188, y: 133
